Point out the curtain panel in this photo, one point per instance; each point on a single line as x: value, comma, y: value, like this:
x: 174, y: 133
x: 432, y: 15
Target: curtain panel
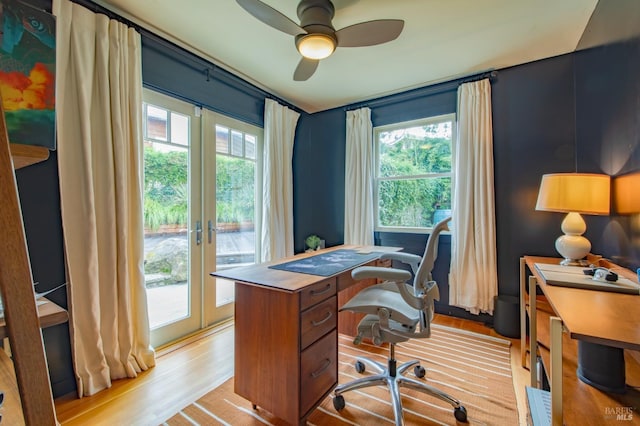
x: 473, y: 280
x: 99, y: 126
x: 358, y: 191
x: 277, y: 189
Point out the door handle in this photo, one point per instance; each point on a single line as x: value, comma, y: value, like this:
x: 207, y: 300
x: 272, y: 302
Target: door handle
x: 198, y: 233
x: 210, y: 230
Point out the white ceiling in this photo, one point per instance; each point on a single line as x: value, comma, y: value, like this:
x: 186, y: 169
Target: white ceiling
x: 441, y: 40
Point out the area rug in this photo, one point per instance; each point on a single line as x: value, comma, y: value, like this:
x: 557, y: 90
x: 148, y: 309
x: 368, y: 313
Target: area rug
x: 471, y: 367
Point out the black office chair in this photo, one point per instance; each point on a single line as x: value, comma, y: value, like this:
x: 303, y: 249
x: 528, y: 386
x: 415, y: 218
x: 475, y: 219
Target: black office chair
x: 397, y: 312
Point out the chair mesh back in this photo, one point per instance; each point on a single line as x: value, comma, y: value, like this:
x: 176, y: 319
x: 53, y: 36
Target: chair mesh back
x: 423, y: 281
x: 423, y: 275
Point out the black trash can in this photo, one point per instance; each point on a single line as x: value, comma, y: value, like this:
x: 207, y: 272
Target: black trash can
x: 601, y: 366
x: 506, y: 316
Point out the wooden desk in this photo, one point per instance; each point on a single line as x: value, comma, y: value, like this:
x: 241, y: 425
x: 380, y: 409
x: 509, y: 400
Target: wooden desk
x: 286, y: 326
x: 592, y: 316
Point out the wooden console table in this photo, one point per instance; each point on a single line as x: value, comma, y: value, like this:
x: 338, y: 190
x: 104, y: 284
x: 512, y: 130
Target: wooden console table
x: 592, y: 316
x: 286, y: 326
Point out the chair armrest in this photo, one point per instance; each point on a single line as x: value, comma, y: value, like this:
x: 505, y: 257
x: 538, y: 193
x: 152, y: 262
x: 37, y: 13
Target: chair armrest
x: 408, y: 258
x: 388, y: 274
x: 399, y: 277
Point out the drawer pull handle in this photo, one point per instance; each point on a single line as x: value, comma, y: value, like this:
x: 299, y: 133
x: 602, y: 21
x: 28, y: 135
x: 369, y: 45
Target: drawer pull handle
x: 318, y: 372
x: 322, y: 321
x: 323, y: 291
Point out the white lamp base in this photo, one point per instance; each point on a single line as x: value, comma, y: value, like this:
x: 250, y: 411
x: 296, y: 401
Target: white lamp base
x: 572, y: 245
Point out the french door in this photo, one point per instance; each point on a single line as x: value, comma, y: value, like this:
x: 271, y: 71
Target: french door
x: 201, y: 208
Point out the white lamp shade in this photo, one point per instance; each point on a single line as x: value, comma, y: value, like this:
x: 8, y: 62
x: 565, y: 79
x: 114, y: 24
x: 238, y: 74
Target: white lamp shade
x: 586, y: 193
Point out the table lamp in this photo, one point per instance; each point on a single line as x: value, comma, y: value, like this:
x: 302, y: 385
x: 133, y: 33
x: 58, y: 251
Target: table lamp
x: 574, y: 193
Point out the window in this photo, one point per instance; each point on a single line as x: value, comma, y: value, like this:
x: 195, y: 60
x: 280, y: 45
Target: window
x: 413, y: 173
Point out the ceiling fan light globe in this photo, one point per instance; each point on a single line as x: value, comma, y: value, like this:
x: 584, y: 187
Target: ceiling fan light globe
x: 315, y: 46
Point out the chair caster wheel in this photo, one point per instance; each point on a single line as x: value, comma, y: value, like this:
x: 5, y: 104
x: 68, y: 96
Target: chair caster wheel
x: 360, y: 367
x: 419, y: 371
x: 460, y: 413
x: 338, y: 402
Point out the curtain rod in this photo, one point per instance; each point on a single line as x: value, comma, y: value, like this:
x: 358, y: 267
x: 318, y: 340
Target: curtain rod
x: 429, y: 90
x: 489, y: 74
x: 98, y: 8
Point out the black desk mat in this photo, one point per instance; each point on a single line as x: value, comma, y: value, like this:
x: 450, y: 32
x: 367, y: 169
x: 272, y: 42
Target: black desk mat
x: 328, y: 264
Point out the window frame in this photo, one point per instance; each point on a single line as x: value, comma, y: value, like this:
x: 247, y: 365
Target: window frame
x: 452, y: 117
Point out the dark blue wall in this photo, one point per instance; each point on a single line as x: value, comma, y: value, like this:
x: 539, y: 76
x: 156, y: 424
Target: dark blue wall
x: 608, y: 134
x: 534, y: 133
x: 318, y: 176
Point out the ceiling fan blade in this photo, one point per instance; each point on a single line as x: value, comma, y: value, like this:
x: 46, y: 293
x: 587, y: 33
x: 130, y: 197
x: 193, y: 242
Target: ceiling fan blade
x: 305, y: 69
x: 271, y: 17
x: 370, y: 33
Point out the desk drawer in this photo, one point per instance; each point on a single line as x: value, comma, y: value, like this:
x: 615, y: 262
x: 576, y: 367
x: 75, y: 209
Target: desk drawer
x: 317, y: 293
x: 318, y: 370
x: 318, y: 321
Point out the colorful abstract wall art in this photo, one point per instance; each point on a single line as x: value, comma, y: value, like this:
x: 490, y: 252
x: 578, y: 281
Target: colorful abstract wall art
x: 27, y: 73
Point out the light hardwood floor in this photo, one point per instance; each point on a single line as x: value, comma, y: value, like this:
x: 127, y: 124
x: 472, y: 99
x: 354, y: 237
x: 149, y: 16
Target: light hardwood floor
x: 192, y: 368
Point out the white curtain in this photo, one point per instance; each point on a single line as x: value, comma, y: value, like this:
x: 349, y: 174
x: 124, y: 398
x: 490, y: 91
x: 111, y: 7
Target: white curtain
x: 358, y: 191
x: 98, y: 107
x: 473, y: 279
x: 277, y: 189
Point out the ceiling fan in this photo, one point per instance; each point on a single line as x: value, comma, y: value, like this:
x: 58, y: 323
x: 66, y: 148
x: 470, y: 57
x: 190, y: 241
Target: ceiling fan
x: 315, y: 37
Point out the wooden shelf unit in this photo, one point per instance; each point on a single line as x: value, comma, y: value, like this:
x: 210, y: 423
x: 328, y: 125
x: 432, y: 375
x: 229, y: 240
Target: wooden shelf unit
x: 16, y: 289
x: 26, y: 155
x: 49, y: 314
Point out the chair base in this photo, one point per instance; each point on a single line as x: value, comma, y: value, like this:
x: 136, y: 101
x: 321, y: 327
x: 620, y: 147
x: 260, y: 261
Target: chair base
x: 392, y: 377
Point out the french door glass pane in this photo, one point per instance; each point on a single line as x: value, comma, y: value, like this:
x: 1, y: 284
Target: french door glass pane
x: 222, y: 139
x: 166, y: 214
x: 179, y: 129
x: 250, y: 147
x: 235, y: 205
x: 236, y: 143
